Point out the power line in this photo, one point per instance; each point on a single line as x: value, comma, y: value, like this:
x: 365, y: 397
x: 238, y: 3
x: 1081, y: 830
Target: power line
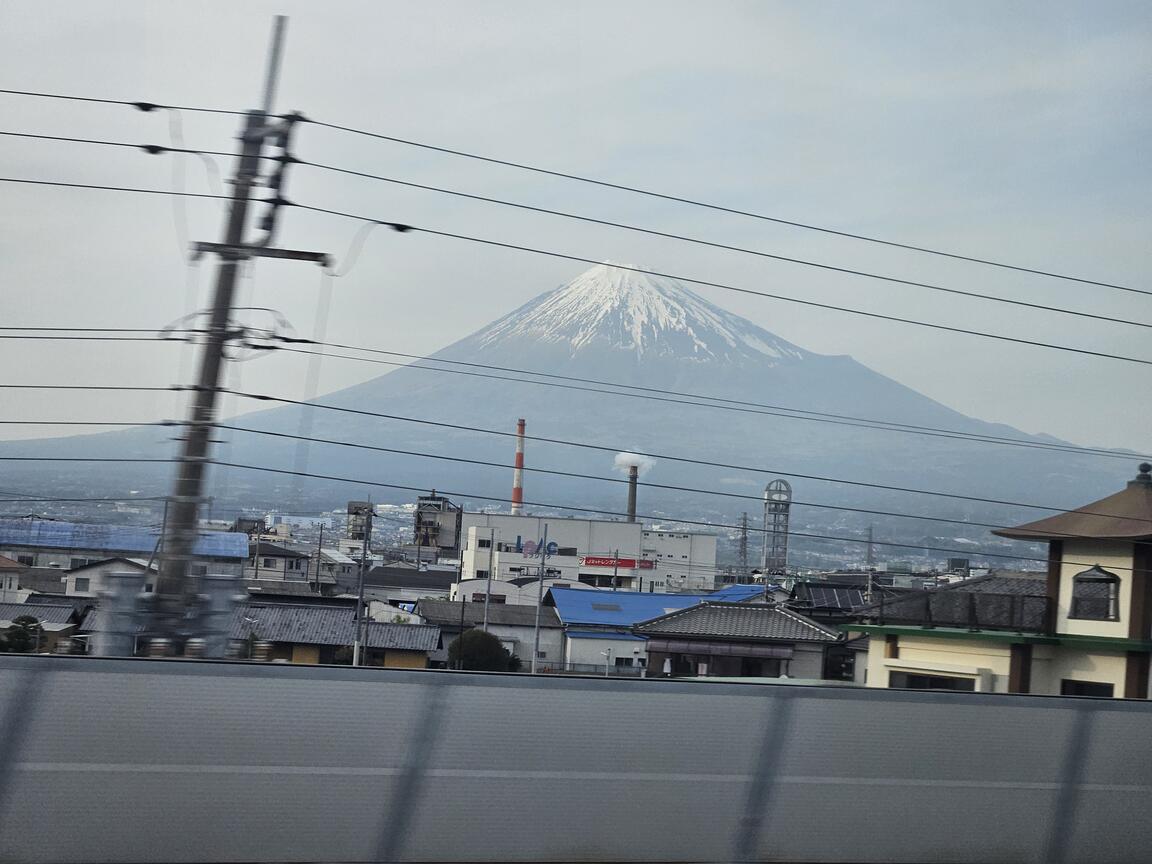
x: 122, y: 387
x: 671, y: 458
x: 743, y: 406
x: 722, y: 209
x: 583, y: 476
x: 463, y: 460
x: 107, y: 188
x: 103, y: 142
x: 708, y: 284
x: 141, y: 106
x: 467, y: 495
x: 730, y: 248
x: 560, y: 255
x: 736, y: 405
x: 150, y: 106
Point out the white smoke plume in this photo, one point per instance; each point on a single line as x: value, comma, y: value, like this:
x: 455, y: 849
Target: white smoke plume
x: 625, y: 460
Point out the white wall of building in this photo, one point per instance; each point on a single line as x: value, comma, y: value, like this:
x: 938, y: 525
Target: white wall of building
x: 664, y: 560
x: 591, y: 651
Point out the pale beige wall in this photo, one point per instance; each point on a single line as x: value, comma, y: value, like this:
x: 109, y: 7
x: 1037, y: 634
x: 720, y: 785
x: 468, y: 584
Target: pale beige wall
x: 1079, y: 555
x: 985, y: 661
x: 305, y: 654
x: 1077, y: 665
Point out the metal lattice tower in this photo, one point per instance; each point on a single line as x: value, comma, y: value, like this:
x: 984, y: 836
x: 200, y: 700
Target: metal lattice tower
x: 777, y: 505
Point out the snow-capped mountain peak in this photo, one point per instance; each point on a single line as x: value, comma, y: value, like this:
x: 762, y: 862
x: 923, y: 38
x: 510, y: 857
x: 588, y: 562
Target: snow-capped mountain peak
x: 628, y: 308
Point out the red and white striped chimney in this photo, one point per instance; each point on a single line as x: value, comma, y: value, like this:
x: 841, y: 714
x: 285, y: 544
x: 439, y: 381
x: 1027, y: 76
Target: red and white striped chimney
x: 518, y: 472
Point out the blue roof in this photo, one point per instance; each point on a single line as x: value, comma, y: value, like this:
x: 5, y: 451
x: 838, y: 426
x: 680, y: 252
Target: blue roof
x: 616, y: 608
x: 739, y: 593
x: 603, y: 634
x: 51, y: 534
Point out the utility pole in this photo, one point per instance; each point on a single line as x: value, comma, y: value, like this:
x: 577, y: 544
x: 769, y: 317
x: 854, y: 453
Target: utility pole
x: 539, y: 600
x: 743, y: 548
x: 362, y: 619
x: 615, y: 569
x: 176, y: 589
x: 488, y: 584
x: 319, y: 556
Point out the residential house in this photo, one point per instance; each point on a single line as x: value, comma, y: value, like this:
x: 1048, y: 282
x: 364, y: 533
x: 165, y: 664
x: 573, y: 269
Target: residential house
x: 1085, y: 629
x: 90, y: 580
x: 11, y: 591
x: 521, y: 591
x: 54, y: 622
x: 302, y: 633
x: 267, y: 560
x: 742, y: 640
x: 407, y: 583
x: 514, y: 626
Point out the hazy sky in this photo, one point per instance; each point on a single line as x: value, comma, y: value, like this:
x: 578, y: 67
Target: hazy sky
x: 1010, y: 131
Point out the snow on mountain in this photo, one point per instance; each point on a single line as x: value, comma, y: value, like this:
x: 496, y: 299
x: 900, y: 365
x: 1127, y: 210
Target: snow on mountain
x: 640, y: 312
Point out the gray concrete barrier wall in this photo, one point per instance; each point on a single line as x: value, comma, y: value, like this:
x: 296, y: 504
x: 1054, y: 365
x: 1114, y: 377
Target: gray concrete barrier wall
x: 108, y: 760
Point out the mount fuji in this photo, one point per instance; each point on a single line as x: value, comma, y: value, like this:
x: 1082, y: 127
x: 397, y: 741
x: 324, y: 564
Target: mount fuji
x: 638, y: 330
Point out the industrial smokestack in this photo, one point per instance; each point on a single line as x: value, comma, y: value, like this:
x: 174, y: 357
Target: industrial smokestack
x: 633, y: 479
x: 518, y: 472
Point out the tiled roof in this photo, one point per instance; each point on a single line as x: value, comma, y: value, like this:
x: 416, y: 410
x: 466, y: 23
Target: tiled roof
x: 274, y: 550
x: 11, y: 564
x: 1125, y: 515
x: 432, y: 581
x: 48, y: 613
x: 740, y: 621
x: 446, y: 613
x: 123, y: 539
x: 325, y: 625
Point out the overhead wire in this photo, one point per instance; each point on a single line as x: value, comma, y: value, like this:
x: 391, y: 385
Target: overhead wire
x: 660, y: 394
x: 518, y: 247
x: 730, y: 210
x: 665, y: 456
x: 149, y: 106
x: 608, y: 512
x: 402, y: 227
x: 581, y: 445
x: 728, y: 247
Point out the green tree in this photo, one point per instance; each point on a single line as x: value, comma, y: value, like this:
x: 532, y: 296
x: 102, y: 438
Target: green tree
x: 23, y: 635
x: 480, y: 651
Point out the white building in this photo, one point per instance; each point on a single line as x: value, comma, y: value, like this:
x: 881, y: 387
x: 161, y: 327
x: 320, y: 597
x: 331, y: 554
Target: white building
x: 596, y: 552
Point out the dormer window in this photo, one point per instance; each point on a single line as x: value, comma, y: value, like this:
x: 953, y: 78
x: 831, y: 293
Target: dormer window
x: 1095, y: 595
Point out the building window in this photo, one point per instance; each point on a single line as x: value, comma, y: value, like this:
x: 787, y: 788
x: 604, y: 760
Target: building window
x: 269, y: 563
x: 481, y: 574
x: 1085, y: 688
x: 77, y: 562
x: 199, y: 570
x: 82, y: 584
x: 912, y: 681
x: 485, y: 543
x: 1095, y: 594
x: 26, y: 560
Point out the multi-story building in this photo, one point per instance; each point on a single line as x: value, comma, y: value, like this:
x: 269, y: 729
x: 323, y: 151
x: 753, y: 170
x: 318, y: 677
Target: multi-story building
x: 596, y: 552
x: 1084, y: 629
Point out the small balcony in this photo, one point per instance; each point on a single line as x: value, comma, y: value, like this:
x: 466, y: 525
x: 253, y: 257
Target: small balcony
x: 971, y: 610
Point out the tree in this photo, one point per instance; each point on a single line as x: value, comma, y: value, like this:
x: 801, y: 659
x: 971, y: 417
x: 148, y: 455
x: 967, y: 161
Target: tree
x: 23, y: 635
x: 480, y: 651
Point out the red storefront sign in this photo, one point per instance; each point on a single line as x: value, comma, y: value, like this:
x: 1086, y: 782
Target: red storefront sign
x: 609, y: 561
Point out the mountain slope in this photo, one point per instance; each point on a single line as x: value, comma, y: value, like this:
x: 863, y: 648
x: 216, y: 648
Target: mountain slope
x: 613, y: 324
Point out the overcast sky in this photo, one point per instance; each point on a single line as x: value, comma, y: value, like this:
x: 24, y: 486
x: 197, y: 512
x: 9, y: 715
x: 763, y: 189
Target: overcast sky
x: 1016, y: 132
